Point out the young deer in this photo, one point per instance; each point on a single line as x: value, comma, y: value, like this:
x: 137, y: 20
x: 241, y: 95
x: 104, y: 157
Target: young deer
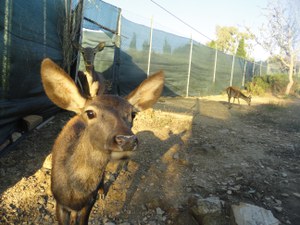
x: 100, y: 131
x: 234, y: 93
x: 88, y: 55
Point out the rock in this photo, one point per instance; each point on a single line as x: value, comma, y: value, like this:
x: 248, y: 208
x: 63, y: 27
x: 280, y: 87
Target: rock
x: 296, y: 194
x: 283, y: 174
x: 159, y: 211
x: 207, y: 211
x: 176, y: 156
x: 246, y: 214
x: 278, y: 209
x: 285, y: 195
x: 278, y: 202
x: 109, y: 223
x: 32, y: 121
x: 15, y: 136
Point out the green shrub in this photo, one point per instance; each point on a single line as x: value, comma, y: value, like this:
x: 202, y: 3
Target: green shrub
x: 275, y: 84
x: 258, y: 85
x: 278, y: 83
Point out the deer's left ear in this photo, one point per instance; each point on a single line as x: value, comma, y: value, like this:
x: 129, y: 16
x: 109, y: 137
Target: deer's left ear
x: 148, y: 92
x: 100, y: 46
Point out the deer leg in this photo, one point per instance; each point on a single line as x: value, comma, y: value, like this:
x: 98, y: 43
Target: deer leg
x: 73, y: 217
x: 238, y: 101
x: 63, y: 215
x: 85, y: 214
x: 229, y: 101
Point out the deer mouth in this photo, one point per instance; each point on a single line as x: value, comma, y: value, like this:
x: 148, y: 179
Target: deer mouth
x: 119, y: 155
x: 124, y: 146
x: 124, y: 152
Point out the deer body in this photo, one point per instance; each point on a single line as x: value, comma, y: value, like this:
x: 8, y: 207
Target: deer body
x: 100, y: 131
x: 234, y: 93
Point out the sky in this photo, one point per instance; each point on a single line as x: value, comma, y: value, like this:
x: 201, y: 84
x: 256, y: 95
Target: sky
x: 201, y: 15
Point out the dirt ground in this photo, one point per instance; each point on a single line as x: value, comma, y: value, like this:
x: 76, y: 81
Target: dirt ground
x: 188, y: 147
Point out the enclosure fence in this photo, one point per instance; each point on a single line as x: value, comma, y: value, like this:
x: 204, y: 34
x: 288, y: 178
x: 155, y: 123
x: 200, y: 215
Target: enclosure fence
x: 191, y: 68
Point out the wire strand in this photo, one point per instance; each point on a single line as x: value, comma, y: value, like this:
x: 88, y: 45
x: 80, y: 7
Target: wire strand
x: 182, y: 21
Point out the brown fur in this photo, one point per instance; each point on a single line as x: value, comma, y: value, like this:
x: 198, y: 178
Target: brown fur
x: 234, y: 93
x: 100, y: 131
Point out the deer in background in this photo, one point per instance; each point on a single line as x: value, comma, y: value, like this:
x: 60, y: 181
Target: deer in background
x: 100, y: 131
x: 88, y: 55
x: 234, y: 93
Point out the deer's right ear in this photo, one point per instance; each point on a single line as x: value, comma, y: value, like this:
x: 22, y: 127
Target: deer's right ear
x: 60, y: 87
x: 77, y: 46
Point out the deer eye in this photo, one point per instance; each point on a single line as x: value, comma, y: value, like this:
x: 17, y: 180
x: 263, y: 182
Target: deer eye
x: 133, y: 115
x: 90, y: 114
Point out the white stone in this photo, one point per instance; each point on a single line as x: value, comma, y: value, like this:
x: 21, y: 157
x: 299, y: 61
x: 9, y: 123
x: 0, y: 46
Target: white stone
x: 246, y: 214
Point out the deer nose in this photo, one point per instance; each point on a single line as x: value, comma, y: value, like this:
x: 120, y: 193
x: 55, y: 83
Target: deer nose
x: 127, y: 142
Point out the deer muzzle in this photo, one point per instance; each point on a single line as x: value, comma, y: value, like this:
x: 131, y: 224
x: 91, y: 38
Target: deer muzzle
x: 127, y: 142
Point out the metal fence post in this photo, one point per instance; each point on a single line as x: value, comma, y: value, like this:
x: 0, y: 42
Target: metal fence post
x: 253, y: 68
x: 190, y: 65
x: 268, y: 67
x: 260, y: 68
x: 150, y: 47
x: 215, y: 66
x: 232, y: 69
x: 244, y: 73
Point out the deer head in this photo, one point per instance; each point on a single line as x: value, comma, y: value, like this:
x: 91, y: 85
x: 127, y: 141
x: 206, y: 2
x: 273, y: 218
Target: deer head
x: 100, y: 131
x: 89, y: 53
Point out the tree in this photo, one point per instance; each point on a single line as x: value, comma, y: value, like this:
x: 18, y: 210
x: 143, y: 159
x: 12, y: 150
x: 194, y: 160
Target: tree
x: 132, y: 44
x: 167, y: 49
x: 281, y: 35
x: 241, y: 52
x: 228, y: 39
x: 146, y: 46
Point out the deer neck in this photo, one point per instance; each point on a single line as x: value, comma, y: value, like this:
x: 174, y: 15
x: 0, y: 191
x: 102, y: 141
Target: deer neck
x: 89, y: 68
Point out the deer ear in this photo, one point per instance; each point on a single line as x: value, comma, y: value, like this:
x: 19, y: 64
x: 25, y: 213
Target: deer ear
x: 77, y: 46
x: 148, y: 92
x: 100, y: 46
x: 60, y: 87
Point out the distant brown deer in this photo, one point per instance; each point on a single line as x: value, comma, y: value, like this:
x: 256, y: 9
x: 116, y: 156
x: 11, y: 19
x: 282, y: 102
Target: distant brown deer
x: 100, y: 131
x: 234, y: 93
x: 88, y: 54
